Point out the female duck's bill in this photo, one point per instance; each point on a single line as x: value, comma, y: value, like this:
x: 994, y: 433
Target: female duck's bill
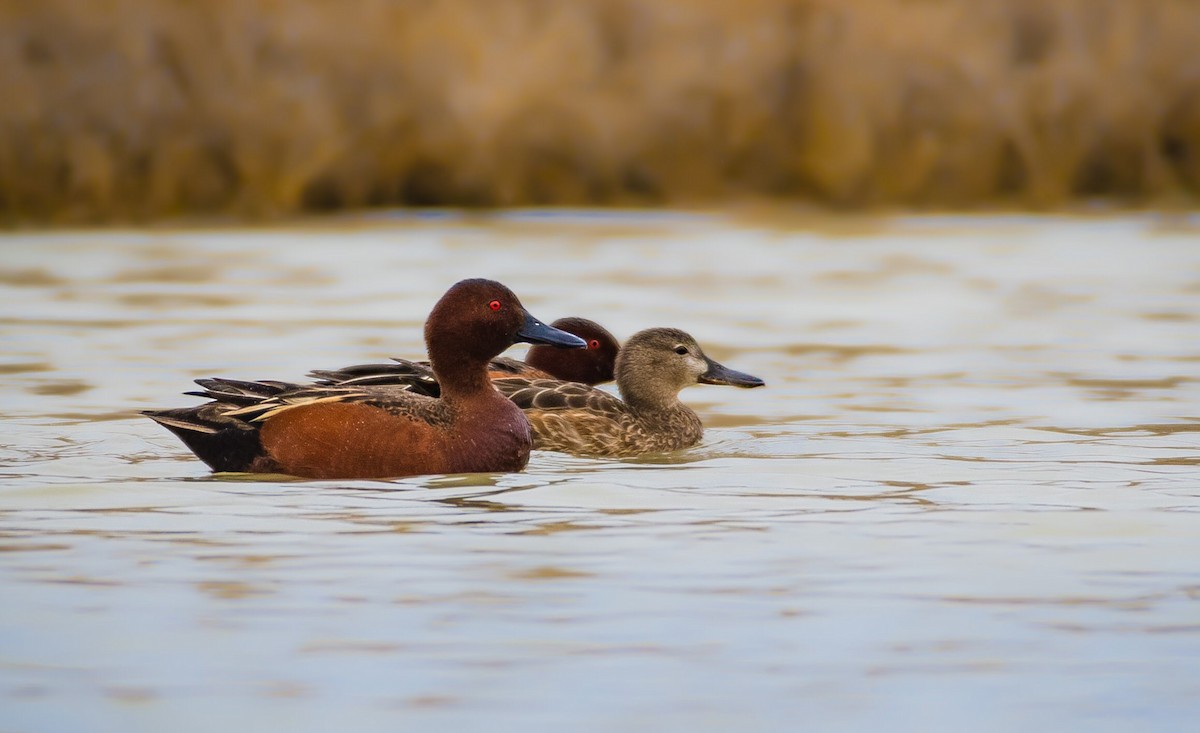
x: 346, y: 432
x: 720, y: 374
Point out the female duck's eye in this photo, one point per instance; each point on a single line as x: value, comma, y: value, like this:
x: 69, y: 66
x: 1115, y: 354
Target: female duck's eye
x: 594, y: 344
x: 494, y: 305
x: 681, y: 350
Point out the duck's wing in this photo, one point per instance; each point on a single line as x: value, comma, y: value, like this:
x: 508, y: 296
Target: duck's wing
x: 415, y: 376
x: 554, y: 394
x: 240, y: 392
x: 397, y: 399
x: 570, y: 417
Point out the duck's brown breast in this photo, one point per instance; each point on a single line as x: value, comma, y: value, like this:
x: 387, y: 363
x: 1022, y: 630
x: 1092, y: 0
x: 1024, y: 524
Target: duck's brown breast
x: 490, y: 434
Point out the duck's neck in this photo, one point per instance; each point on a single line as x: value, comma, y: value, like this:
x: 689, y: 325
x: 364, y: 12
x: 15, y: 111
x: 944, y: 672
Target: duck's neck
x: 649, y: 402
x: 460, y: 376
x: 667, y: 415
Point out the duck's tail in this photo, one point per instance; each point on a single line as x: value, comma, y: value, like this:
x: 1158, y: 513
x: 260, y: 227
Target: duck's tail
x: 225, y: 441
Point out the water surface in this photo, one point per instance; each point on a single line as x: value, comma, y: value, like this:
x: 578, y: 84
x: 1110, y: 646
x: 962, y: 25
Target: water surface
x: 968, y: 498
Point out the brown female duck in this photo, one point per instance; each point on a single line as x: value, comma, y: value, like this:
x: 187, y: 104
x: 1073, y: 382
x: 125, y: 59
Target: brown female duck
x: 651, y: 369
x: 353, y: 432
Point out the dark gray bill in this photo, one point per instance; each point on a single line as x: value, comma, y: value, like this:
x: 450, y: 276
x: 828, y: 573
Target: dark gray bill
x: 534, y: 331
x: 720, y: 374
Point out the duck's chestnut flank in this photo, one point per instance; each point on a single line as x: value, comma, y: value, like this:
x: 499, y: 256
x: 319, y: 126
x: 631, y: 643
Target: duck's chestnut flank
x: 380, y: 432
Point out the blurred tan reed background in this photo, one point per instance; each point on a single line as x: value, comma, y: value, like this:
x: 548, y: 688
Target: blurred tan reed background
x: 133, y: 109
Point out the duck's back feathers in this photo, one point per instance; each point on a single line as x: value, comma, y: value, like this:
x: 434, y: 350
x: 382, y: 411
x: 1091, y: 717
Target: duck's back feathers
x: 553, y: 394
x: 415, y: 376
x: 240, y: 392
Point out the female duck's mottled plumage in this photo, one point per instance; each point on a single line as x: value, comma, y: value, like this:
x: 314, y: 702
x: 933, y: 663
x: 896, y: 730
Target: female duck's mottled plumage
x: 380, y: 432
x: 651, y: 369
x: 592, y: 364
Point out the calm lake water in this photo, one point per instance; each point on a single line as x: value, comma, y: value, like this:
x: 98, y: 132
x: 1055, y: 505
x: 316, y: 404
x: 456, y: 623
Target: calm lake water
x: 969, y: 497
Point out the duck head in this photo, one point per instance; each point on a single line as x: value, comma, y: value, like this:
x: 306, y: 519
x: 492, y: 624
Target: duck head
x: 477, y: 319
x: 655, y: 364
x: 591, y: 365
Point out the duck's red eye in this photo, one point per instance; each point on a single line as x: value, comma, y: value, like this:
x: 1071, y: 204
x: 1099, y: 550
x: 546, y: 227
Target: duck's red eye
x: 494, y: 305
x: 594, y: 344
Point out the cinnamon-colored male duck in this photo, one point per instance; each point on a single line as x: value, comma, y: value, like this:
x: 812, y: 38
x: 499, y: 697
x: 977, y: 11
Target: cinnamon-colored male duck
x: 591, y: 365
x: 350, y: 432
